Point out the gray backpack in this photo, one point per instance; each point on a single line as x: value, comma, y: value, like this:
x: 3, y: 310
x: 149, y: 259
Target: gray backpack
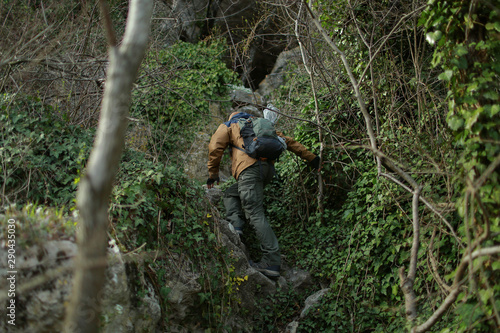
x: 260, y: 140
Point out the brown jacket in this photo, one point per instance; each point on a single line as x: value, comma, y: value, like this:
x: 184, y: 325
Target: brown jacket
x: 224, y: 136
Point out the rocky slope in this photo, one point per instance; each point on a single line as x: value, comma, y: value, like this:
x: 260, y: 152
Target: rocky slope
x: 131, y: 301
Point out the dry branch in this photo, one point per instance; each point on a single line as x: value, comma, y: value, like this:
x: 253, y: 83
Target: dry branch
x: 455, y: 288
x: 407, y: 282
x: 316, y: 112
x: 354, y: 82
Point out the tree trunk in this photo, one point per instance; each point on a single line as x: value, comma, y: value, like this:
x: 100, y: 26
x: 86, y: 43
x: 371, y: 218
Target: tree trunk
x: 95, y: 187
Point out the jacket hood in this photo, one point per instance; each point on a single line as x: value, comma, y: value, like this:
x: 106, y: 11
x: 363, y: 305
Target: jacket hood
x: 232, y: 115
x: 235, y: 116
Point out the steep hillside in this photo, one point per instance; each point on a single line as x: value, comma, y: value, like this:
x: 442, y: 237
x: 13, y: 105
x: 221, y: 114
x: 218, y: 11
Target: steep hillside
x: 399, y: 230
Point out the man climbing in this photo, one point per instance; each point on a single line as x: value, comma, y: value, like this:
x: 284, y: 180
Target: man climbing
x: 247, y: 194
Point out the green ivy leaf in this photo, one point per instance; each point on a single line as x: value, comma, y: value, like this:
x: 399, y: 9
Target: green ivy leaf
x: 485, y: 295
x: 395, y: 289
x: 461, y: 50
x: 433, y: 37
x: 495, y: 265
x: 446, y: 75
x: 494, y: 109
x: 491, y: 26
x: 493, y: 95
x: 455, y: 122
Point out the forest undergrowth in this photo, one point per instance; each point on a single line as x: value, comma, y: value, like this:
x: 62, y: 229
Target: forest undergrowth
x: 400, y: 100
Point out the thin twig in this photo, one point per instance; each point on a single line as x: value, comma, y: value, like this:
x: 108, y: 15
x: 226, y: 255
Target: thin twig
x: 450, y: 299
x: 354, y: 82
x: 318, y: 120
x: 108, y: 24
x: 429, y: 205
x: 489, y: 170
x: 434, y: 267
x: 386, y: 37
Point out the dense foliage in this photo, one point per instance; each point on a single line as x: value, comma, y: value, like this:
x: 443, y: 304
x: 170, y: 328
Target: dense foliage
x: 41, y: 156
x: 154, y: 206
x: 366, y: 234
x: 175, y: 93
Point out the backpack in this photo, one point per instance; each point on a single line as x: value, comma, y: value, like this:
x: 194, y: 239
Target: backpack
x: 260, y: 140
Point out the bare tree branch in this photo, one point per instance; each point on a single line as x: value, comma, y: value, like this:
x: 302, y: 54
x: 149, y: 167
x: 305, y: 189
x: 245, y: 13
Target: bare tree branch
x: 108, y: 25
x: 480, y: 181
x: 429, y: 205
x: 403, y: 18
x: 433, y: 262
x: 318, y: 119
x: 354, y: 82
x: 407, y: 282
x: 457, y: 282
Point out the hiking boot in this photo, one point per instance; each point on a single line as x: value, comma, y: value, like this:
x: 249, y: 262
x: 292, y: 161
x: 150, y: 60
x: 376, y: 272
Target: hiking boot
x: 266, y: 269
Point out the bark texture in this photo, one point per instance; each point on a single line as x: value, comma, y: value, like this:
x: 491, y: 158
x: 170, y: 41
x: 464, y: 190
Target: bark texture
x: 95, y: 187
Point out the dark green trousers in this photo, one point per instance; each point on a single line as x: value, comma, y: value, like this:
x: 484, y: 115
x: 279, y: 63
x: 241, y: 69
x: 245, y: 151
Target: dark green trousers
x: 245, y: 199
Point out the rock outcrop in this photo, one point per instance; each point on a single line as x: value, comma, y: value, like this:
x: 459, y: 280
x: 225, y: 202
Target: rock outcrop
x: 245, y: 21
x: 276, y: 77
x: 44, y: 281
x: 310, y: 303
x: 132, y: 301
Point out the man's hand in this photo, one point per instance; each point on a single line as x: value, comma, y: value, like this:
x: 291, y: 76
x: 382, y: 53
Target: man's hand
x: 211, y: 181
x: 316, y: 163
